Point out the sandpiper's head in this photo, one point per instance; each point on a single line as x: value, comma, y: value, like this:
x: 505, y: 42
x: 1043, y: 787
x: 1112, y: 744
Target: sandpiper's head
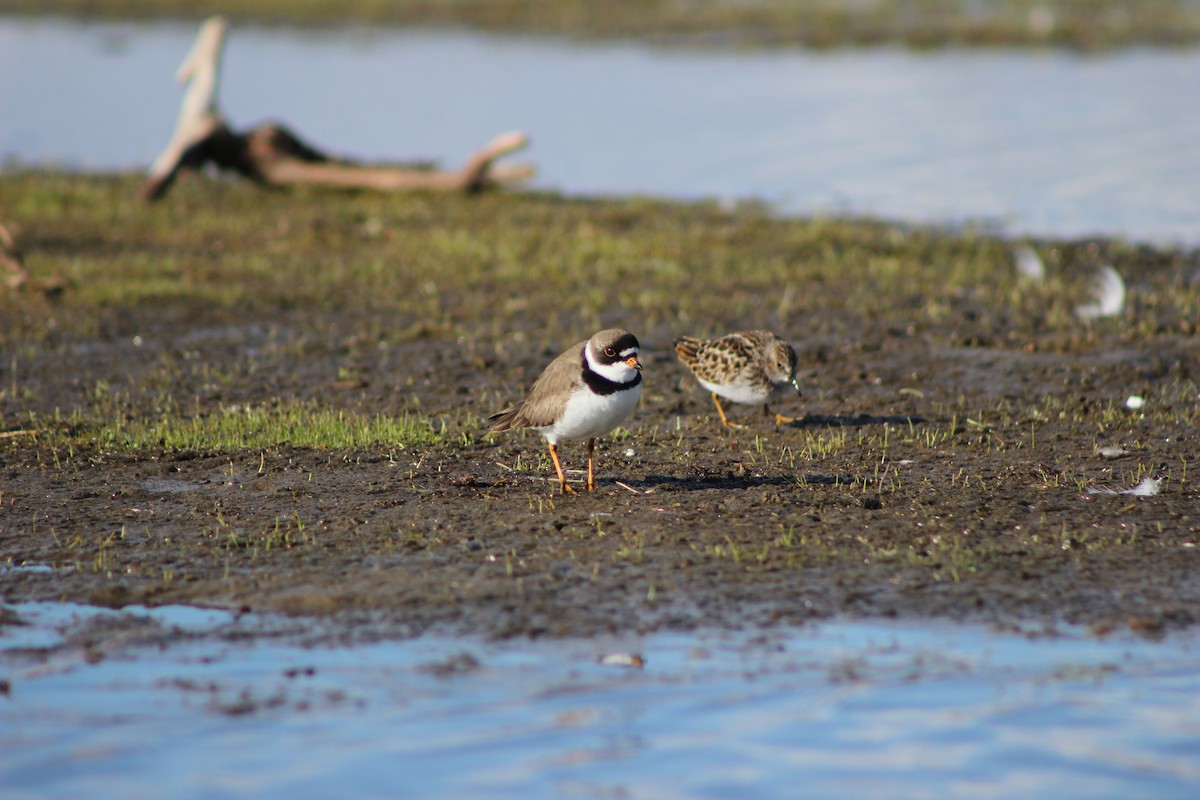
x: 781, y: 362
x: 614, y: 354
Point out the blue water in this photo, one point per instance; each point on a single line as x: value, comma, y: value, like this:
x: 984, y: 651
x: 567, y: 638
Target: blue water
x: 1028, y: 141
x: 838, y: 709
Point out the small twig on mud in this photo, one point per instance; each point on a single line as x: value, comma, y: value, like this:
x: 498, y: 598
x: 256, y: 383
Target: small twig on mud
x: 11, y: 434
x: 10, y: 259
x: 630, y: 488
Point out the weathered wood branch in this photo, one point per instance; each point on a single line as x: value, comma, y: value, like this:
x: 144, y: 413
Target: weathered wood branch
x: 272, y: 154
x: 198, y: 115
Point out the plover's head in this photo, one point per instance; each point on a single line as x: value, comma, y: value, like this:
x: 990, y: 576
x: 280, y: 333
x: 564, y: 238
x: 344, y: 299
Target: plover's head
x: 614, y: 354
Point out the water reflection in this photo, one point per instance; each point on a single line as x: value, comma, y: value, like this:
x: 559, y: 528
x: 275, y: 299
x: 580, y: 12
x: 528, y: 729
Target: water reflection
x: 1034, y: 142
x: 119, y: 705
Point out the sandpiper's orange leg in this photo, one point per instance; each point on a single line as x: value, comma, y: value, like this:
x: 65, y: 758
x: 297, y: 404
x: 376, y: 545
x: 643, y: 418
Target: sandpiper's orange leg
x: 591, y: 481
x: 562, y: 478
x: 721, y: 411
x: 779, y: 418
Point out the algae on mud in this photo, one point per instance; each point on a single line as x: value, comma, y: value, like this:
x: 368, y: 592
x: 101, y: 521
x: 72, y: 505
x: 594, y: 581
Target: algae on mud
x: 1081, y: 24
x: 952, y: 422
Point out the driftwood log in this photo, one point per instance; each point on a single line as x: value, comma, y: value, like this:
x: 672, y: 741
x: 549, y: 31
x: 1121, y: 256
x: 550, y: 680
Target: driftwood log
x: 273, y: 155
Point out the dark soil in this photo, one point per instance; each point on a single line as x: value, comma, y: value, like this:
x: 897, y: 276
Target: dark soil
x: 938, y: 469
x: 691, y: 525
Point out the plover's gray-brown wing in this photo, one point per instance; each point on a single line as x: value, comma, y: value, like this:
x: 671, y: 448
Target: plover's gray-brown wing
x: 548, y: 395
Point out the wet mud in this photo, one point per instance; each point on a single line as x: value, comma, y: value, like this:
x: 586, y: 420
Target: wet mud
x: 922, y: 479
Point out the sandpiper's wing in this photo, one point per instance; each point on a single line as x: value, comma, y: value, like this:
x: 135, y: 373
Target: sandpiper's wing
x: 716, y: 360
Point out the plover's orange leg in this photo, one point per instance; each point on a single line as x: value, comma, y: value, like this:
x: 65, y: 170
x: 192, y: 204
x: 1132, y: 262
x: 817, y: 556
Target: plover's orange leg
x: 721, y: 411
x: 562, y: 478
x: 591, y: 480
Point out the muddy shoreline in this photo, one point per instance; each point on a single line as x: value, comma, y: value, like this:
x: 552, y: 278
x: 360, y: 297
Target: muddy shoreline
x: 705, y: 527
x: 951, y: 459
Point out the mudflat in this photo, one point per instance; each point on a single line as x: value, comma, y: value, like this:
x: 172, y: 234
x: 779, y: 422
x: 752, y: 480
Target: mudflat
x: 276, y: 401
x: 1082, y: 24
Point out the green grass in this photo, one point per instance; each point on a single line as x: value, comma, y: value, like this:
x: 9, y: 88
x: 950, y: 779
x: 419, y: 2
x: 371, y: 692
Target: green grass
x: 339, y: 278
x: 448, y: 265
x: 1086, y: 24
x: 297, y: 425
x: 231, y: 429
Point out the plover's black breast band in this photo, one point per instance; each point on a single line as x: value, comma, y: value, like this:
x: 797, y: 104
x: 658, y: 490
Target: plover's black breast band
x: 602, y: 385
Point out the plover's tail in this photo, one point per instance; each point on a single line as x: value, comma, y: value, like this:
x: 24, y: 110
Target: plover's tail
x: 506, y: 420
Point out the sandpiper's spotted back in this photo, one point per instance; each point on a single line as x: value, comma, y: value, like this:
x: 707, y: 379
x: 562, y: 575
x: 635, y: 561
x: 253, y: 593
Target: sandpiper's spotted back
x: 748, y: 367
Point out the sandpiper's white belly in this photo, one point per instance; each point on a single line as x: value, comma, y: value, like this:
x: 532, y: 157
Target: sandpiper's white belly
x: 589, y: 415
x: 741, y: 392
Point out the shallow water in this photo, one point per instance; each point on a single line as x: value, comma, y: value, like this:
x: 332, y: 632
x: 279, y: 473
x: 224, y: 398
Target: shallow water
x: 1024, y: 141
x: 186, y: 699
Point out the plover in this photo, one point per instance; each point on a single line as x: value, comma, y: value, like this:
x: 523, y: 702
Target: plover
x: 745, y: 367
x: 584, y: 393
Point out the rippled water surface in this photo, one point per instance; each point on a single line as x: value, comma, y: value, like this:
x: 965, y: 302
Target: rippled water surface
x: 1026, y: 141
x: 181, y: 702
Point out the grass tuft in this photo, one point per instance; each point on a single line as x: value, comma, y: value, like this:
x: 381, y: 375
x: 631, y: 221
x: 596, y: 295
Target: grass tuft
x: 236, y: 428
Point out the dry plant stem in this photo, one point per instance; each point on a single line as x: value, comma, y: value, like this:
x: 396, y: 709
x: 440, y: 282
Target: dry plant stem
x: 10, y: 259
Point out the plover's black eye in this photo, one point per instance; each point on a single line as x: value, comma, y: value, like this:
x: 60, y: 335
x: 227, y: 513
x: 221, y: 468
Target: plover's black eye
x: 608, y: 351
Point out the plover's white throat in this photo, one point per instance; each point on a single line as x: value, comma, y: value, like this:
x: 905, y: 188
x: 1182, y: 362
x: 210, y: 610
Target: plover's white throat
x: 583, y: 394
x: 749, y: 367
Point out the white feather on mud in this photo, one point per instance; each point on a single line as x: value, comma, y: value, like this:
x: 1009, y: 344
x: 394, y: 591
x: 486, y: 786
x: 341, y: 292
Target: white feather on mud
x: 1135, y: 402
x: 1112, y: 452
x: 633, y: 660
x: 1108, y: 295
x: 1029, y: 263
x: 1147, y: 487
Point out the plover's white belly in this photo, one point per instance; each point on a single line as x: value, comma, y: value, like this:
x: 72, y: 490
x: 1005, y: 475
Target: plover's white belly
x: 589, y: 415
x: 740, y: 392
